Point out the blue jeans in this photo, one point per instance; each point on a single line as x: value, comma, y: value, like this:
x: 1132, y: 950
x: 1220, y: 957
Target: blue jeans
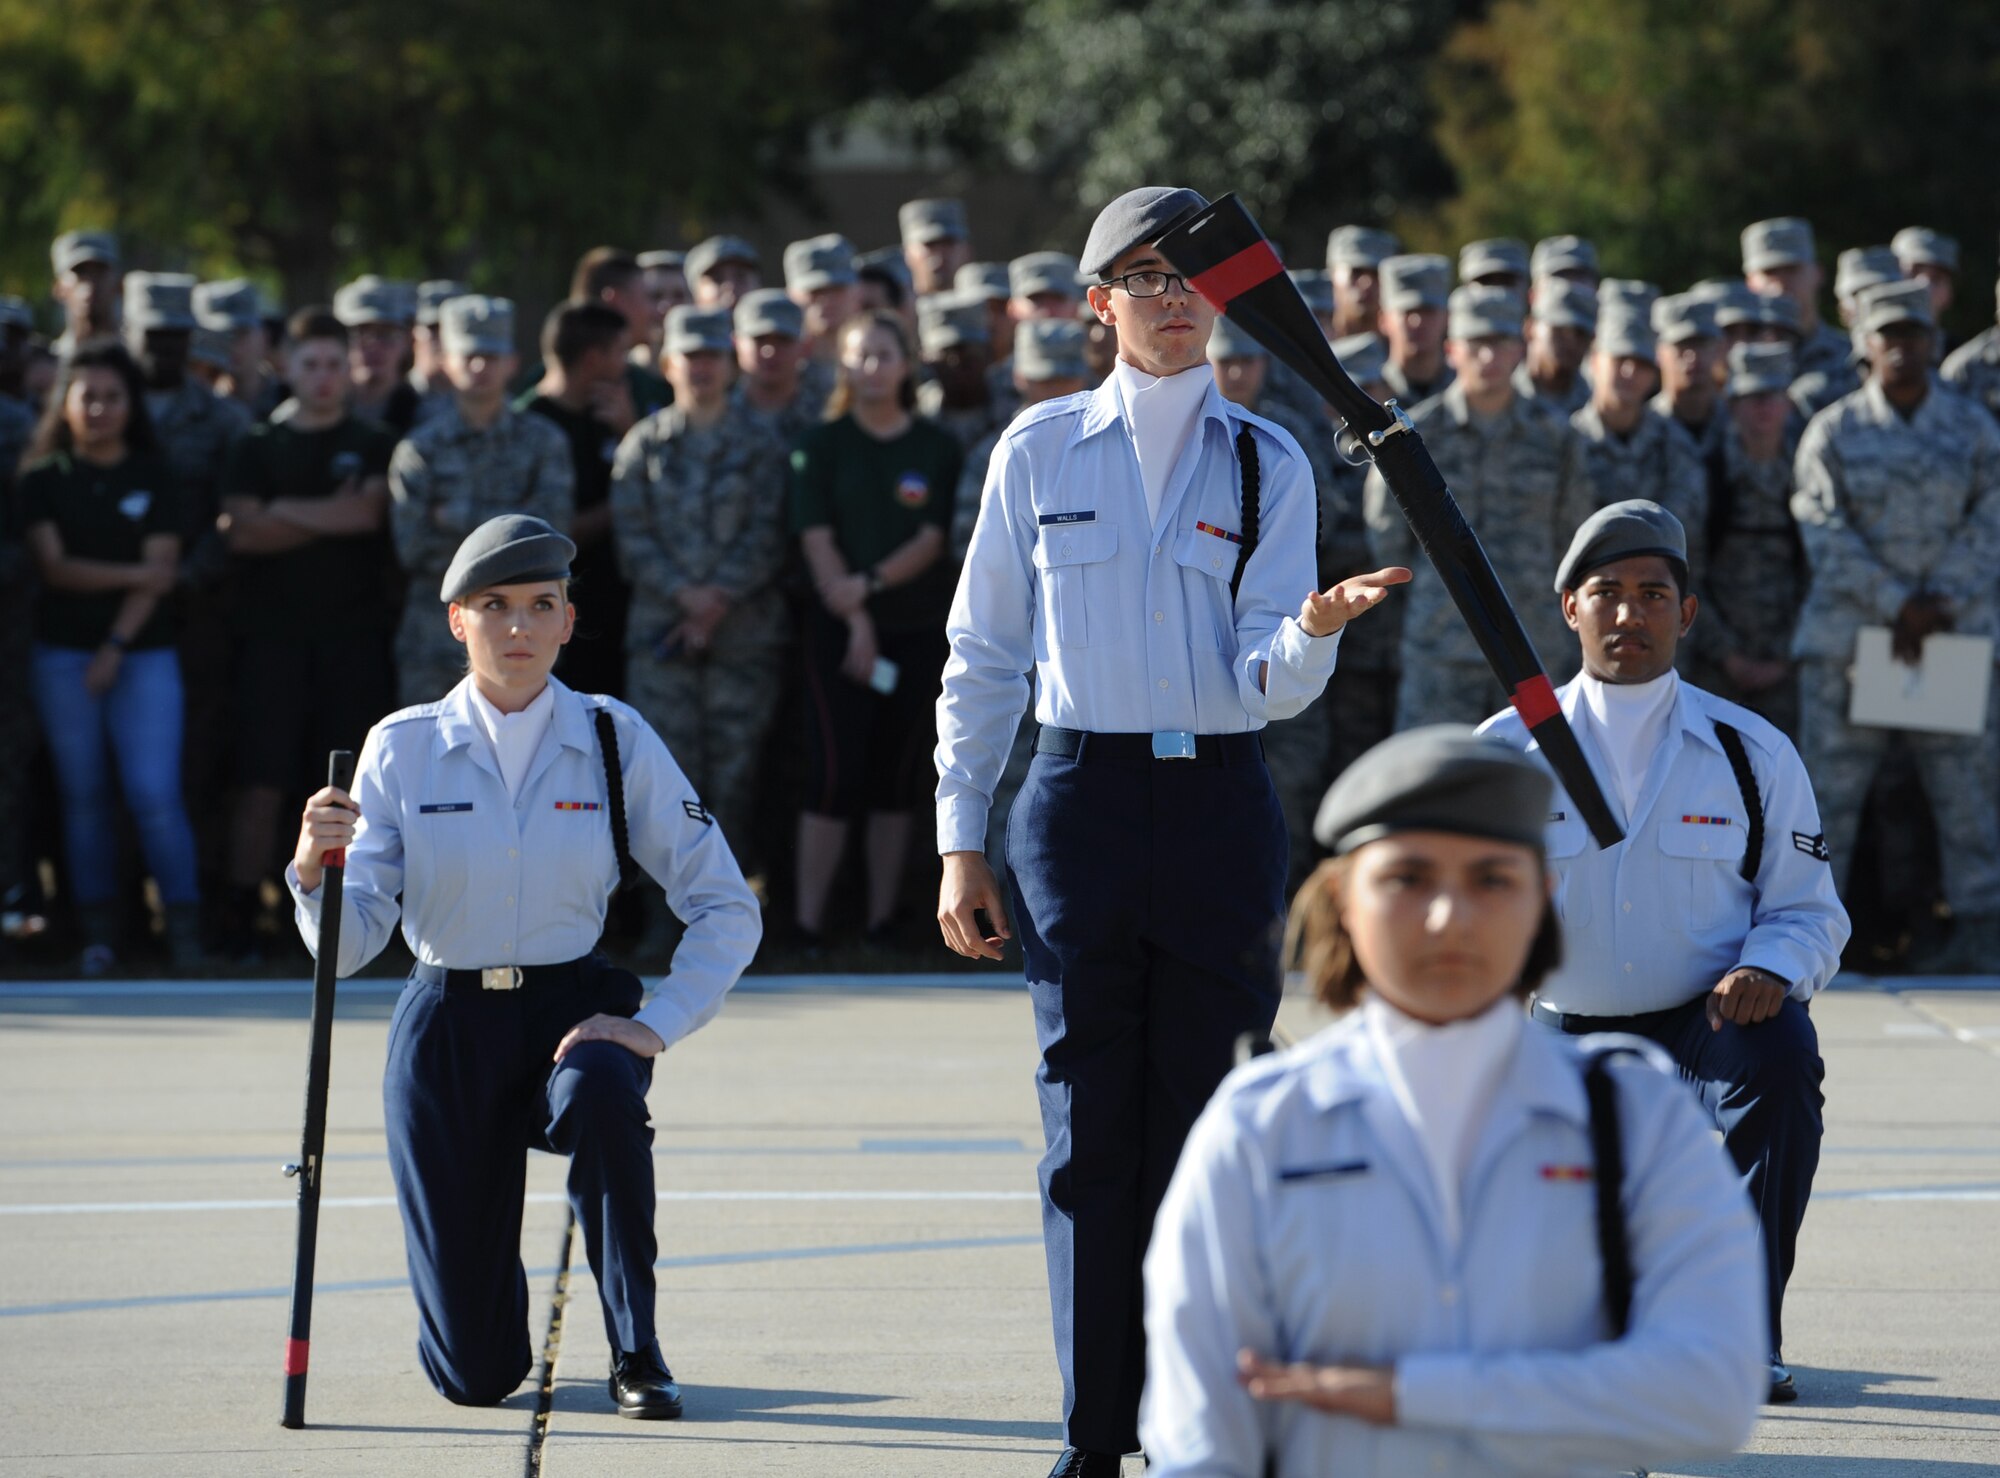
x: 139, y: 723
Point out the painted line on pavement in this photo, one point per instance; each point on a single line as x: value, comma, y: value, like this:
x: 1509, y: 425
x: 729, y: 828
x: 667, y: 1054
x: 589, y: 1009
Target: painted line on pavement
x: 121, y: 1208
x: 660, y: 1151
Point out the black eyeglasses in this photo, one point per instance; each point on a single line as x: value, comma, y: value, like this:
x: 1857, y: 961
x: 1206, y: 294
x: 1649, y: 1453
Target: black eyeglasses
x: 1149, y: 284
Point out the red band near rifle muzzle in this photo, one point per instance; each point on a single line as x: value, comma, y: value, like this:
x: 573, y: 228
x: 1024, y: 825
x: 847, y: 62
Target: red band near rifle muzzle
x: 295, y: 1356
x: 1233, y: 276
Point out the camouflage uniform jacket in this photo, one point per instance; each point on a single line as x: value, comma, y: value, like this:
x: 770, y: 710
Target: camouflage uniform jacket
x: 1408, y: 395
x: 970, y: 425
x: 701, y: 506
x: 1523, y: 486
x: 806, y: 409
x: 1657, y: 461
x: 1973, y: 369
x: 1889, y: 507
x: 447, y: 479
x: 1746, y: 556
x: 1567, y: 404
x: 196, y: 427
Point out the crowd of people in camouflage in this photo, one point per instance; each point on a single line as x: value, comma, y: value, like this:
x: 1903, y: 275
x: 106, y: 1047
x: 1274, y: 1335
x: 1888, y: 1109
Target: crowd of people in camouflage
x: 226, y: 526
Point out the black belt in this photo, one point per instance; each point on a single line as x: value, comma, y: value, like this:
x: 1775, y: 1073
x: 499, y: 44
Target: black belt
x: 1135, y: 751
x: 1644, y: 1024
x: 507, y: 977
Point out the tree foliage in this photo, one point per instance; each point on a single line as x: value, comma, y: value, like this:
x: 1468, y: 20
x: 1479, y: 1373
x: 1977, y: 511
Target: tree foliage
x: 481, y: 137
x: 1661, y: 127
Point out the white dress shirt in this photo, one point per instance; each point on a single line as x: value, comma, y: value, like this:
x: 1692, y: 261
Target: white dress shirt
x: 1302, y: 1222
x: 1660, y: 918
x: 1122, y: 615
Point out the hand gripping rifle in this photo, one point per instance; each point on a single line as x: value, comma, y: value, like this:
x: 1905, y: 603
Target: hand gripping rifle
x: 319, y: 1067
x: 1228, y: 260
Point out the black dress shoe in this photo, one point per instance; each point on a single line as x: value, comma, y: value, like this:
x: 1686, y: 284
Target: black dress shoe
x: 1782, y: 1388
x: 642, y: 1387
x: 1076, y: 1463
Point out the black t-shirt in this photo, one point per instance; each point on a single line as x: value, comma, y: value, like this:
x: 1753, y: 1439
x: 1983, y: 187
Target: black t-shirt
x: 103, y: 513
x: 592, y: 445
x: 876, y: 496
x: 334, y: 583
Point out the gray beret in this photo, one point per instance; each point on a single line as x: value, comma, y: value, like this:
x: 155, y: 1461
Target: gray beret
x: 1228, y: 341
x: 1315, y: 287
x: 663, y: 259
x: 1786, y: 241
x: 473, y: 323
x: 707, y: 255
x: 1443, y: 777
x: 1683, y: 316
x: 223, y: 307
x: 946, y: 320
x: 1562, y: 301
x: 1414, y: 280
x: 690, y: 330
x: 1864, y: 266
x: 1625, y: 333
x: 1892, y: 303
x: 159, y: 300
x: 74, y: 248
x: 433, y: 294
x: 1137, y: 216
x: 371, y: 299
x: 1050, y: 349
x: 1620, y: 531
x: 1499, y: 256
x: 1044, y: 272
x: 1760, y: 369
x: 1484, y: 312
x: 921, y: 222
x: 1359, y: 246
x: 1363, y: 356
x: 987, y: 281
x: 769, y: 311
x: 1919, y: 245
x: 1554, y: 254
x: 513, y: 549
x: 819, y: 261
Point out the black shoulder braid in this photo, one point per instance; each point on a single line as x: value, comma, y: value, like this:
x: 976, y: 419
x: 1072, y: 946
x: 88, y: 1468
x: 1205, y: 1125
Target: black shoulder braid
x: 1253, y: 489
x: 614, y: 786
x: 1753, y: 804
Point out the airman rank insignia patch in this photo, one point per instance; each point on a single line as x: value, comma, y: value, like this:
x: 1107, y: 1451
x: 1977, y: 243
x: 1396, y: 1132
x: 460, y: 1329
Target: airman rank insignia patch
x: 697, y: 812
x: 1812, y: 846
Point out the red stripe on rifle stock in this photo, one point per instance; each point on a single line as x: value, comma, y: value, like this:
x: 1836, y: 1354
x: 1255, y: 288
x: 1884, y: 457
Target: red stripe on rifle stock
x: 295, y: 1356
x: 1233, y: 276
x: 1535, y: 700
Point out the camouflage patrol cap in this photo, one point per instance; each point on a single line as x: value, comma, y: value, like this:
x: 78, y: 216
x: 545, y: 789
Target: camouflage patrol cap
x: 226, y: 306
x: 1558, y: 254
x: 1365, y: 357
x: 948, y: 319
x: 1920, y: 246
x: 1628, y: 292
x: 73, y: 248
x: 1565, y: 303
x: 1783, y: 241
x: 1360, y: 246
x: 1315, y: 287
x: 1864, y: 266
x: 1134, y: 218
x: 1715, y: 291
x: 985, y: 280
x: 1760, y: 369
x: 370, y: 299
x: 15, y: 312
x: 1625, y: 333
x: 1045, y: 272
x: 1890, y: 303
x: 1681, y: 317
x: 705, y: 256
x: 920, y: 222
x: 1497, y: 256
x: 768, y: 310
x: 691, y: 330
x: 1775, y: 310
x: 819, y: 261
x: 1481, y: 311
x: 159, y: 301
x: 434, y: 294
x: 513, y: 549
x: 1228, y: 341
x: 886, y: 261
x: 1621, y: 531
x: 1049, y: 349
x: 1737, y: 305
x: 662, y: 258
x: 210, y: 347
x: 1442, y: 777
x: 473, y: 323
x: 1414, y: 280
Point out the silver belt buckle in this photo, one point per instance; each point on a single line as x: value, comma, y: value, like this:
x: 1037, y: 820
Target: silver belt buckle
x: 500, y: 977
x: 1173, y: 744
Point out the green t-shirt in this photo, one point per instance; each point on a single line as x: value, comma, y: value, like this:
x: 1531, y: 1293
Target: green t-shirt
x: 103, y: 513
x: 335, y: 582
x: 877, y: 496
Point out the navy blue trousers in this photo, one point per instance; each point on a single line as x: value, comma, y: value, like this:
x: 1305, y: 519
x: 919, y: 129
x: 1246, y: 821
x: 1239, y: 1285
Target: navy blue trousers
x: 1761, y: 1085
x: 470, y: 1088
x: 1149, y: 902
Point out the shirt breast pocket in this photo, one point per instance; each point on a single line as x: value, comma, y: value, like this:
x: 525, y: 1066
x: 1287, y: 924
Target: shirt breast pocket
x: 1079, y: 585
x: 1208, y: 564
x: 1700, y: 868
x: 1566, y: 839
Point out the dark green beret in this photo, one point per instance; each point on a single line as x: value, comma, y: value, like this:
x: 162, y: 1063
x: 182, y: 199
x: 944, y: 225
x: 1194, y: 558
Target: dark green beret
x: 1620, y: 531
x: 1441, y: 778
x: 513, y: 549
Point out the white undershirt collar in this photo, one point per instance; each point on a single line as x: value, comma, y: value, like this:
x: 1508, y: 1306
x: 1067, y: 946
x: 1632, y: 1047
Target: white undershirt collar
x: 1629, y: 721
x: 514, y: 736
x: 1161, y: 410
